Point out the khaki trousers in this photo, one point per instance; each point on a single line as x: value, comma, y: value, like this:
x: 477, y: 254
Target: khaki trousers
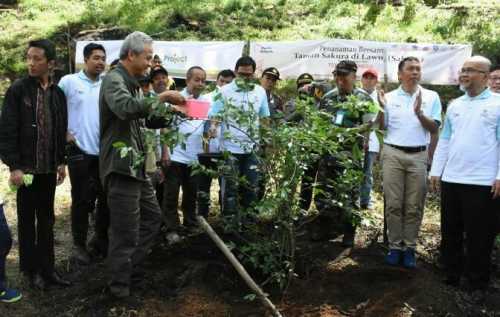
x: 405, y: 186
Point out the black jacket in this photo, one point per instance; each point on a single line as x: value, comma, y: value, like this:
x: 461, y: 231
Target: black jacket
x: 18, y: 124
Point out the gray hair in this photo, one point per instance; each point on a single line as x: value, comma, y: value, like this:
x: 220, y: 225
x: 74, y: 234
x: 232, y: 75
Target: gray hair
x: 134, y: 42
x: 480, y: 60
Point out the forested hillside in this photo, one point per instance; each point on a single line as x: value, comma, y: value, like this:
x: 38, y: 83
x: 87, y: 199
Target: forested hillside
x: 440, y: 21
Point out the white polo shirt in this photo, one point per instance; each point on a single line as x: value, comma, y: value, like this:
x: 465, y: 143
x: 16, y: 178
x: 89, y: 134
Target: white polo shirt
x: 402, y: 125
x: 82, y: 95
x: 187, y: 153
x: 235, y: 138
x: 468, y: 150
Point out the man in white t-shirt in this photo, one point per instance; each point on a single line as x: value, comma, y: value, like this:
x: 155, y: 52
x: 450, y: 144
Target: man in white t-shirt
x: 82, y: 95
x: 467, y: 166
x: 241, y: 140
x: 411, y: 114
x: 369, y: 81
x: 183, y: 155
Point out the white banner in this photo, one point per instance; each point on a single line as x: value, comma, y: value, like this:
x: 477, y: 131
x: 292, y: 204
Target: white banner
x: 177, y: 57
x: 440, y: 62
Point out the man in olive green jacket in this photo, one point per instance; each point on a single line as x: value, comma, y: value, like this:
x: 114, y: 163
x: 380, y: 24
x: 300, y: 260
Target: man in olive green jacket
x: 135, y: 216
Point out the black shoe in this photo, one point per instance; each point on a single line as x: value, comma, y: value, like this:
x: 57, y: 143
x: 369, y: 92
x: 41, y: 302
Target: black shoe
x: 98, y: 248
x: 348, y: 240
x: 55, y: 279
x: 80, y: 255
x: 39, y: 283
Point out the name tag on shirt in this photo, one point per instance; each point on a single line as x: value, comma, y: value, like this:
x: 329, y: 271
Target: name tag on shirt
x: 339, y: 118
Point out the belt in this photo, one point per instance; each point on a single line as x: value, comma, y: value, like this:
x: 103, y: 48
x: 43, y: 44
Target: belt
x: 408, y: 149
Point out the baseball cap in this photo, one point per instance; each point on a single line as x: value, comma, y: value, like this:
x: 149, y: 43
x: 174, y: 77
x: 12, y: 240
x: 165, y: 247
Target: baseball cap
x: 345, y: 67
x: 273, y: 71
x: 371, y: 71
x: 304, y: 79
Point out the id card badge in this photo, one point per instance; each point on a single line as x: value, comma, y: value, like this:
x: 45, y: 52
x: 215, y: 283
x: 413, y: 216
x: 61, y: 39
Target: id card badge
x: 339, y: 118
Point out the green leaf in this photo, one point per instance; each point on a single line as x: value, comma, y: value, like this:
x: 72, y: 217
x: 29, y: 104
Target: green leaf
x: 356, y: 152
x: 28, y: 179
x: 119, y: 144
x: 124, y: 152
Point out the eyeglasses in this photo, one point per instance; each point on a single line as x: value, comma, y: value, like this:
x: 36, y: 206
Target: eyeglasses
x: 471, y: 71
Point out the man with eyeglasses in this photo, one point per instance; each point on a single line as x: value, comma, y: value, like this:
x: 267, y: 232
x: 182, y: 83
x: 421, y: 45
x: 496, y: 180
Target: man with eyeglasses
x: 494, y: 81
x: 467, y: 168
x: 411, y: 114
x: 244, y: 97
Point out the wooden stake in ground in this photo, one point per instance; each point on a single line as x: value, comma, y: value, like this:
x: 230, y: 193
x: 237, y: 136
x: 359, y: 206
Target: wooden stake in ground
x: 237, y: 265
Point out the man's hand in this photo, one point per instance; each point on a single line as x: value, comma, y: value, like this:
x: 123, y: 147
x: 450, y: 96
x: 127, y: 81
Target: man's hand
x: 180, y: 109
x: 417, y: 106
x: 61, y: 174
x: 16, y: 178
x: 161, y: 176
x: 366, y: 145
x: 212, y: 130
x: 435, y: 183
x: 382, y: 101
x: 165, y: 156
x: 70, y: 138
x: 495, y: 189
x: 172, y: 97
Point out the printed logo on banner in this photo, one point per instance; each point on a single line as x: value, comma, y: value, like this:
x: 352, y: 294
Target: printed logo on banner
x: 175, y: 59
x: 266, y: 49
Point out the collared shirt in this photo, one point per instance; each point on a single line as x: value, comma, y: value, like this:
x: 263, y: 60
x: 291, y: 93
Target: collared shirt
x: 192, y: 130
x: 82, y: 95
x: 254, y: 101
x: 468, y: 150
x: 402, y: 125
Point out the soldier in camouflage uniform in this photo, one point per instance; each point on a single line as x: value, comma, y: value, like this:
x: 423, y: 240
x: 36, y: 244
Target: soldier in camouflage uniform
x: 331, y: 170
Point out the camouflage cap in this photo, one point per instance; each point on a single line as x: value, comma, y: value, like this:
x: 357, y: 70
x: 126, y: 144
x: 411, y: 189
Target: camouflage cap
x: 304, y: 79
x: 345, y: 67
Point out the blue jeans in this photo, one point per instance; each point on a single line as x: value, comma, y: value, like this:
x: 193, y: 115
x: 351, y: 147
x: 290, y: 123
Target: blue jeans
x: 366, y: 187
x: 235, y: 190
x: 5, y: 245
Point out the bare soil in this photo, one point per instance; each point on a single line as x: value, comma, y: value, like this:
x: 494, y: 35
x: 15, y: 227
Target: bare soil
x: 193, y: 278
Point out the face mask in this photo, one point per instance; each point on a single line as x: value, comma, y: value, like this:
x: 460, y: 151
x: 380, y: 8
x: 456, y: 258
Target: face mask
x: 462, y: 88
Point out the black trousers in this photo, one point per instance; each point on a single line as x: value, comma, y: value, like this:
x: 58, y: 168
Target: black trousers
x: 469, y: 210
x: 35, y: 225
x: 135, y: 219
x: 307, y: 186
x: 203, y: 200
x: 86, y: 194
x: 178, y: 175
